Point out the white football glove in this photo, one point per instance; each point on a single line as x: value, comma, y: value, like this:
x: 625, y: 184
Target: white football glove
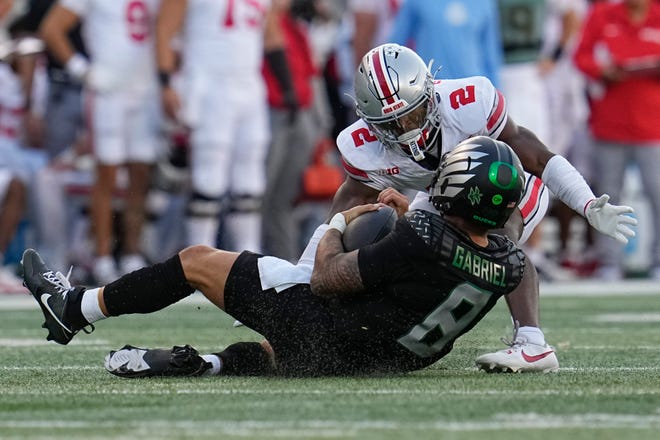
x: 610, y: 219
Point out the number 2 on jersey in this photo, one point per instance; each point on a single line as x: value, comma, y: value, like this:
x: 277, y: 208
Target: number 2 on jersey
x: 362, y: 136
x: 462, y: 96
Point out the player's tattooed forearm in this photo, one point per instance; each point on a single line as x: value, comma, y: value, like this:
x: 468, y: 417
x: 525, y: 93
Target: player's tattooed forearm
x: 341, y: 275
x: 335, y: 273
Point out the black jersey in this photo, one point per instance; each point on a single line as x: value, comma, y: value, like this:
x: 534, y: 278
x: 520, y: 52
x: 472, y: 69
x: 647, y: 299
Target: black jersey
x: 427, y: 283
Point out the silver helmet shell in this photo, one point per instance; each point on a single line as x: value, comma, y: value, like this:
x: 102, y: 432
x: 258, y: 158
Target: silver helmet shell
x: 394, y: 96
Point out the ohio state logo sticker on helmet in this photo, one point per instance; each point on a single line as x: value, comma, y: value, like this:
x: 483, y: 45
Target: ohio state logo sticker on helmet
x: 394, y: 107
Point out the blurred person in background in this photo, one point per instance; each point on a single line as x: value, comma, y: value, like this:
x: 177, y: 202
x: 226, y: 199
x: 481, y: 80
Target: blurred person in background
x: 568, y: 110
x: 19, y: 159
x: 364, y: 24
x: 222, y: 102
x: 462, y: 37
x: 53, y: 122
x: 372, y: 24
x: 289, y: 73
x: 9, y: 10
x: 323, y: 174
x: 522, y: 27
x: 61, y: 123
x: 12, y: 188
x: 564, y: 85
x: 12, y: 208
x: 119, y: 78
x: 619, y: 51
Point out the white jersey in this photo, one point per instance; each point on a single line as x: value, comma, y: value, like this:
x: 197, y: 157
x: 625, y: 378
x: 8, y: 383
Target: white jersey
x: 119, y: 36
x: 467, y: 106
x: 224, y: 37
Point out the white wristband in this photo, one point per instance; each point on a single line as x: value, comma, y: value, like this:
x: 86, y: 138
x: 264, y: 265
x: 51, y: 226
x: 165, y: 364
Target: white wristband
x: 567, y: 183
x: 338, y: 222
x: 77, y: 66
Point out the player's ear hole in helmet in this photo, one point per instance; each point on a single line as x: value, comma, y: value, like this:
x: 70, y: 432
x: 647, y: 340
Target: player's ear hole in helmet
x: 394, y: 96
x: 481, y: 181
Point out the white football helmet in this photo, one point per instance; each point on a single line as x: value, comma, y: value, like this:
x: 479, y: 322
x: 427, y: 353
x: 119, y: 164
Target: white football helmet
x: 394, y: 96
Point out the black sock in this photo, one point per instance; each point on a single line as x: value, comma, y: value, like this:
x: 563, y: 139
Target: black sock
x: 72, y: 312
x: 246, y: 359
x: 147, y: 290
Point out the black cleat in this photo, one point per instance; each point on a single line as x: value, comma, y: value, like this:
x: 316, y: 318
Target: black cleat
x: 53, y: 292
x: 131, y: 361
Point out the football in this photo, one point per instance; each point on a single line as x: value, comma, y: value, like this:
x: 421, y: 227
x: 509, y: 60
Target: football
x: 369, y: 228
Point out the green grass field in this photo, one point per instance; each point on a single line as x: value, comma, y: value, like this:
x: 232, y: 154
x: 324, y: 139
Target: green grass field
x: 608, y: 388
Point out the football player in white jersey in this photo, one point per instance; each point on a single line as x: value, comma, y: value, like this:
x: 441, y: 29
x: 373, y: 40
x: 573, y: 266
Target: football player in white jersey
x: 16, y: 166
x: 121, y: 92
x: 12, y: 209
x: 13, y: 184
x: 222, y: 101
x: 408, y: 120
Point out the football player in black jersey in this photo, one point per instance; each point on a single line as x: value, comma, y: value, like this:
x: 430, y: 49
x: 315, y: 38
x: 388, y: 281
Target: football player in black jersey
x: 392, y: 306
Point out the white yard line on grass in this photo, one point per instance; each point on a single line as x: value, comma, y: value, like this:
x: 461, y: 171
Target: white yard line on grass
x: 50, y: 368
x: 600, y: 288
x: 585, y: 370
x: 32, y: 342
x: 292, y: 391
x: 298, y: 428
x: 27, y: 302
x: 627, y: 317
x: 605, y: 347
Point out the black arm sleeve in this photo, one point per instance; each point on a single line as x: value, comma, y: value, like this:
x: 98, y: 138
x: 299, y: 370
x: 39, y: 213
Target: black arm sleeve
x: 277, y: 61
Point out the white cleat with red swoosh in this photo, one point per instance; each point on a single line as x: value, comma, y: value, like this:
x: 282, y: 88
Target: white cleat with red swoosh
x: 521, y: 356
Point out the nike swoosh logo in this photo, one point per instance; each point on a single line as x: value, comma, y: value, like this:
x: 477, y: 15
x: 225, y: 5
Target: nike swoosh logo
x: 44, y: 300
x: 535, y: 358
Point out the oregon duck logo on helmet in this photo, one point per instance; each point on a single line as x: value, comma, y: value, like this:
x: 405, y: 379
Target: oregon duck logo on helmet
x: 481, y: 180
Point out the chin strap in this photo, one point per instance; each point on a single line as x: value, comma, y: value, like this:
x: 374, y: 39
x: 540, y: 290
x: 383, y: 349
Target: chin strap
x: 411, y: 140
x: 416, y: 152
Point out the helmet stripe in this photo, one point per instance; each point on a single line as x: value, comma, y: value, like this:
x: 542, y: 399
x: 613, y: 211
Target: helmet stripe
x: 382, y: 83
